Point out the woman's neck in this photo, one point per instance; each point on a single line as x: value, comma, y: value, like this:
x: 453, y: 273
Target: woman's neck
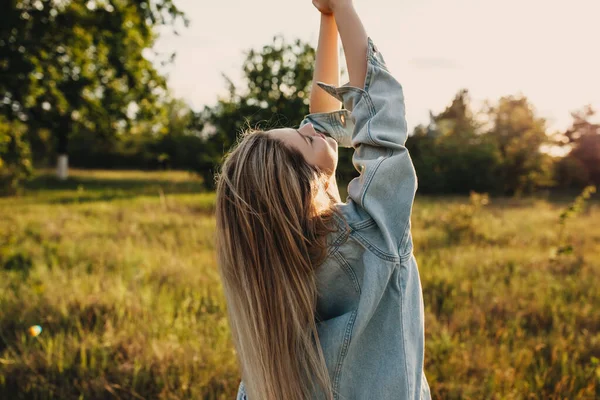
x: 333, y: 190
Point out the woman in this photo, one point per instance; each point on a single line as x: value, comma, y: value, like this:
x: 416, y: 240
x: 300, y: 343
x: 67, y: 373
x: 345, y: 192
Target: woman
x: 323, y: 297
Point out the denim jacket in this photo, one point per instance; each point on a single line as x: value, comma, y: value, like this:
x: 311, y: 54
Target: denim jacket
x: 370, y: 304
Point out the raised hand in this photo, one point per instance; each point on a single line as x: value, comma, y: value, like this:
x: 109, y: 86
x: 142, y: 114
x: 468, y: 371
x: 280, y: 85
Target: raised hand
x: 324, y: 6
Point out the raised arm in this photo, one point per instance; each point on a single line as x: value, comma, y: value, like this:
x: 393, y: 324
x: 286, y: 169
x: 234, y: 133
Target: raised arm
x: 339, y: 14
x: 354, y: 40
x: 326, y: 67
x: 374, y: 124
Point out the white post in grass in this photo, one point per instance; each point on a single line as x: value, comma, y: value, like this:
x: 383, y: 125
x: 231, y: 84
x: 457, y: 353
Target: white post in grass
x: 62, y: 167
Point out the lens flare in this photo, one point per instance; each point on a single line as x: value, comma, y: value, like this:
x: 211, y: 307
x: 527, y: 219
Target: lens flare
x: 35, y: 330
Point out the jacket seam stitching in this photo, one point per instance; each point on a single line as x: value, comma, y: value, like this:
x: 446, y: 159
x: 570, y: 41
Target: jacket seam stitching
x: 372, y: 174
x: 369, y: 136
x: 371, y: 106
x: 404, y: 346
x: 349, y: 271
x: 380, y: 64
x: 370, y: 57
x: 334, y: 123
x: 334, y: 247
x: 344, y: 350
x: 406, y: 256
x: 402, y: 245
x: 364, y: 224
x: 341, y: 238
x: 364, y: 94
x: 374, y: 249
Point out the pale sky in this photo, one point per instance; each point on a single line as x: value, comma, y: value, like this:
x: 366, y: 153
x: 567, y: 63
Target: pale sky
x: 548, y: 50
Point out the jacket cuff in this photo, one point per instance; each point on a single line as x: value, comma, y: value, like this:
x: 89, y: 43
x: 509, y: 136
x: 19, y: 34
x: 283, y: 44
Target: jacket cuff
x: 337, y: 124
x: 340, y: 124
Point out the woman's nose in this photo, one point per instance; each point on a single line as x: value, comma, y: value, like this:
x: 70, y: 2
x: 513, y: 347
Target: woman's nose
x: 310, y: 129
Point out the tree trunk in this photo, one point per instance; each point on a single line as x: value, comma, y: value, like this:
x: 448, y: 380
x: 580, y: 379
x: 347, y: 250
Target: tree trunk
x: 62, y: 167
x: 62, y: 162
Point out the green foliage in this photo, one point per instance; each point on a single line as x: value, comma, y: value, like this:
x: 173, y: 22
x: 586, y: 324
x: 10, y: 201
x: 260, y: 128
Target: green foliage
x: 519, y: 134
x: 459, y: 221
x: 451, y: 155
x: 79, y: 66
x: 15, y: 156
x: 177, y: 145
x: 570, y: 173
x: 80, y: 73
x: 277, y: 81
x: 582, y: 165
x: 565, y: 246
x: 457, y: 154
x: 133, y: 307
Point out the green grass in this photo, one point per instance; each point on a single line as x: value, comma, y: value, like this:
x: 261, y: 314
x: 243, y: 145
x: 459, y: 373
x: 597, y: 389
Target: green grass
x: 119, y: 270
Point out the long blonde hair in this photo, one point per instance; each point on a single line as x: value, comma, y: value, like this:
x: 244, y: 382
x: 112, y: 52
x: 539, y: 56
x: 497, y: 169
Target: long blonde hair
x: 271, y: 235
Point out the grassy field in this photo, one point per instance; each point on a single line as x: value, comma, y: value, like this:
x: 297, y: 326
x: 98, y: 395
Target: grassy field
x: 119, y: 270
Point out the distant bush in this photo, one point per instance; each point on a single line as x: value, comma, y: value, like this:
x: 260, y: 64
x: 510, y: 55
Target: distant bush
x: 570, y: 173
x: 180, y: 152
x: 459, y: 222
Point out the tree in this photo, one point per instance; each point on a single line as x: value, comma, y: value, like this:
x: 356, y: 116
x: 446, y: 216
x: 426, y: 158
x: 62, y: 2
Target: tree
x: 15, y: 156
x: 451, y: 155
x: 80, y: 65
x: 181, y: 146
x: 581, y: 166
x: 519, y: 134
x: 278, y: 82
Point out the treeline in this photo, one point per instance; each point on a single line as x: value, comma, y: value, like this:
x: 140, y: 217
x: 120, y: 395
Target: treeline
x: 74, y: 81
x: 504, y: 149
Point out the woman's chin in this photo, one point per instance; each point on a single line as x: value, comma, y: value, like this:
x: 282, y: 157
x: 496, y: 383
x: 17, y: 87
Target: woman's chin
x: 332, y: 142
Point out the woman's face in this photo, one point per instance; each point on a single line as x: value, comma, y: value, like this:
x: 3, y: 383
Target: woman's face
x: 318, y: 149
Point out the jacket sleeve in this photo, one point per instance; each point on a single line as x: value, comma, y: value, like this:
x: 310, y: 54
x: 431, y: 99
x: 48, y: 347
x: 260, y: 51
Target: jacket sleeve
x: 374, y: 124
x: 241, y: 393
